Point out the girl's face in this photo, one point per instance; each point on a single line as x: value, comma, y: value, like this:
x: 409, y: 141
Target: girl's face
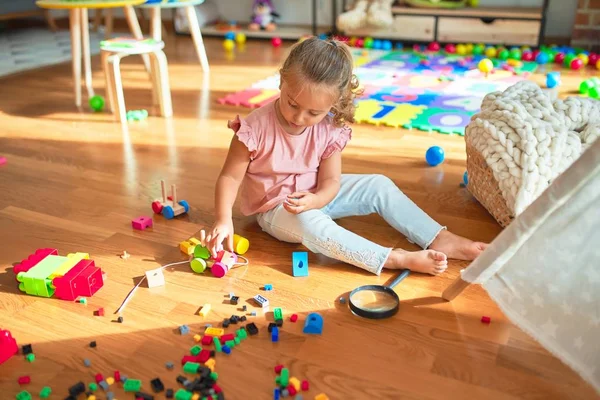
x: 303, y: 105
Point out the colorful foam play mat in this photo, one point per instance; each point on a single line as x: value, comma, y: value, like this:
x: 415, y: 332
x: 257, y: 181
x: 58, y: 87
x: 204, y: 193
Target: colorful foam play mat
x: 431, y: 92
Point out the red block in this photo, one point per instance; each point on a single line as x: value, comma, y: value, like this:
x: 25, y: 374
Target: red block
x: 117, y: 376
x: 99, y: 378
x: 203, y: 356
x: 486, y: 320
x: 225, y: 338
x: 100, y: 312
x: 8, y: 346
x: 292, y: 390
x: 23, y: 380
x: 304, y: 386
x: 207, y: 340
x: 31, y: 261
x: 217, y: 388
x: 294, y: 317
x: 186, y: 359
x: 278, y: 369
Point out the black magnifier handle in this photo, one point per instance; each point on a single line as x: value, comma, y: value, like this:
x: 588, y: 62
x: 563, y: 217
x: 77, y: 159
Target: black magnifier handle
x: 399, y: 278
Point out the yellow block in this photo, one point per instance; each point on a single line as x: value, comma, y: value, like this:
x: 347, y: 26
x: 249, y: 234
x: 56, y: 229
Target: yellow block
x: 73, y: 258
x: 187, y: 246
x: 295, y: 383
x: 210, y: 363
x: 321, y: 396
x: 196, y: 396
x: 205, y: 310
x: 197, y: 338
x: 214, y: 331
x: 110, y: 380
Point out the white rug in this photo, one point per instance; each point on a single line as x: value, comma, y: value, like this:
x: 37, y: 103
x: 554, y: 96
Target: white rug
x: 25, y: 49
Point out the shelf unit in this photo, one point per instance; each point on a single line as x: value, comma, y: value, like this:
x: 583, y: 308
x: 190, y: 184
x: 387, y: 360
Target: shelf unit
x: 499, y: 25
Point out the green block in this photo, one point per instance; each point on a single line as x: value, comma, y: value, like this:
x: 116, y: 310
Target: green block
x: 214, y: 375
x: 45, y: 392
x: 24, y: 395
x: 83, y: 300
x: 236, y: 340
x: 278, y: 314
x: 93, y: 386
x: 30, y: 357
x: 285, y: 377
x: 195, y: 350
x: 191, y: 367
x: 132, y: 385
x: 201, y: 252
x: 242, y: 334
x: 46, y: 267
x: 217, y: 343
x: 42, y: 287
x: 230, y: 344
x: 183, y: 394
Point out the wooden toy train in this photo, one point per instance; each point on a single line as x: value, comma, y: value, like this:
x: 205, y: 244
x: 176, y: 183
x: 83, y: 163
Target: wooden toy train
x: 46, y: 274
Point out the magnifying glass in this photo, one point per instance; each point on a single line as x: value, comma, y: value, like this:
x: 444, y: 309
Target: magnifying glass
x: 376, y: 301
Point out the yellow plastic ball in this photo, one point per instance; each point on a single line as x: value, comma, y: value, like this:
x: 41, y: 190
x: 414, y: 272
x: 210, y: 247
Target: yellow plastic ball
x: 461, y: 49
x: 228, y: 44
x: 240, y: 38
x: 584, y: 57
x: 486, y: 65
x: 491, y: 52
x: 469, y: 47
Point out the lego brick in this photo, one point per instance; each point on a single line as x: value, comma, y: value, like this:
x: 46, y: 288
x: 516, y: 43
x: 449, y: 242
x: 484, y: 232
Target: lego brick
x: 234, y: 300
x: 26, y: 348
x: 99, y: 378
x: 214, y: 331
x: 184, y: 329
x: 300, y: 263
x: 24, y: 395
x: 32, y: 260
x: 77, y: 389
x: 252, y: 329
x: 294, y: 317
x: 157, y: 385
x: 45, y: 392
x: 205, y: 310
x: 117, y: 376
x: 207, y: 340
x: 321, y: 396
x: 141, y: 223
x: 203, y: 356
x: 110, y: 380
x: 132, y: 385
x: 70, y: 286
x: 313, y: 324
x: 226, y: 349
x: 263, y: 302
x: 277, y: 314
x: 73, y: 259
x: 24, y: 380
x: 295, y: 382
x: 275, y: 334
x: 268, y: 287
x: 8, y: 346
x: 143, y: 396
x: 304, y: 386
x: 217, y: 344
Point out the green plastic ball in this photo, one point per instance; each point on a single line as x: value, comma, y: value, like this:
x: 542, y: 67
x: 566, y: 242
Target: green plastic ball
x: 568, y: 59
x: 368, y: 44
x: 478, y: 49
x: 515, y: 54
x: 97, y: 103
x: 503, y: 54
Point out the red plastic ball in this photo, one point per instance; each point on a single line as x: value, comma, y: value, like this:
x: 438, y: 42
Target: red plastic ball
x: 450, y: 48
x: 535, y: 54
x: 576, y: 63
x: 559, y: 58
x: 433, y: 46
x: 527, y: 56
x: 360, y: 42
x: 593, y: 58
x: 276, y: 42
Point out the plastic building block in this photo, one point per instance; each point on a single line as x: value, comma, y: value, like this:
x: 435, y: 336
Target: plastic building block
x: 184, y: 329
x: 77, y: 389
x: 277, y: 314
x: 83, y: 300
x: 117, y: 376
x: 84, y: 279
x: 486, y: 320
x: 291, y: 390
x: 234, y: 300
x: 8, y: 346
x: 99, y: 312
x: 197, y: 338
x: 205, y: 310
x: 295, y: 383
x: 203, y: 356
x: 271, y: 326
x: 253, y: 314
x: 244, y: 308
x: 313, y: 324
x: 294, y: 317
x: 298, y: 397
x: 143, y: 396
x: 169, y: 394
x: 226, y: 322
x: 87, y: 363
x: 196, y: 350
x: 141, y: 223
x: 93, y: 344
x: 300, y: 263
x: 242, y: 334
x: 30, y: 357
x: 120, y: 320
x: 187, y: 359
x: 72, y: 260
x: 188, y: 246
x: 263, y: 302
x: 284, y: 377
x: 285, y: 393
x: 99, y: 378
x: 304, y: 386
x: 26, y: 348
x: 155, y: 278
x: 124, y: 378
x: 227, y: 337
x: 217, y: 343
x: 252, y: 329
x: 169, y: 365
x: 23, y: 380
x: 103, y: 385
x: 157, y: 385
x: 110, y: 380
x: 132, y: 385
x: 230, y: 344
x: 214, y: 376
x: 276, y: 394
x: 321, y: 396
x: 226, y: 349
x: 279, y: 323
x: 214, y: 331
x: 278, y: 369
x: 207, y: 340
x: 36, y: 281
x: 32, y: 260
x: 268, y: 287
x: 275, y: 334
x: 183, y: 394
x: 45, y: 392
x: 24, y: 395
x: 93, y: 386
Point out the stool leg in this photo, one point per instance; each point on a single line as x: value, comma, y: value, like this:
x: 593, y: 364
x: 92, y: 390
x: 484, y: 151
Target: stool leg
x: 115, y: 61
x: 136, y: 31
x: 75, y: 18
x: 166, y: 107
x: 197, y: 36
x: 155, y: 23
x: 108, y: 23
x: 155, y: 78
x: 87, y: 62
x: 110, y: 91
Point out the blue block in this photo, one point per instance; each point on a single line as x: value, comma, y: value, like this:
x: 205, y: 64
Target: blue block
x: 313, y: 324
x: 226, y: 349
x: 184, y: 329
x: 275, y: 334
x: 87, y: 362
x: 300, y: 263
x: 276, y: 394
x: 268, y: 286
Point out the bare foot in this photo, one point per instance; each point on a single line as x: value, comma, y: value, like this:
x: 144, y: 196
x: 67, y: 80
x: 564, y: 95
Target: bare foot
x: 457, y: 247
x: 424, y: 261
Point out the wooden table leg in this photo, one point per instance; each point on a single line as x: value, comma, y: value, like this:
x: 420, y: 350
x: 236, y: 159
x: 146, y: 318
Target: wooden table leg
x: 197, y: 36
x: 455, y: 289
x: 136, y: 31
x: 75, y: 22
x: 87, y: 62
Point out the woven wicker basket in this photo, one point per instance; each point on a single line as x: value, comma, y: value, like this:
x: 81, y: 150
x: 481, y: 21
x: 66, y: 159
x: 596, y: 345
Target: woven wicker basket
x: 485, y: 188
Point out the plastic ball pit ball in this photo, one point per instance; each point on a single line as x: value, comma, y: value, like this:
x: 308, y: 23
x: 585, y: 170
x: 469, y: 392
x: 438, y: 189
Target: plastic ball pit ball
x: 434, y: 156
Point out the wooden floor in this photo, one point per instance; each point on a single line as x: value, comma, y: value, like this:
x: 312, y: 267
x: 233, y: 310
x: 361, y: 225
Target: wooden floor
x: 74, y: 180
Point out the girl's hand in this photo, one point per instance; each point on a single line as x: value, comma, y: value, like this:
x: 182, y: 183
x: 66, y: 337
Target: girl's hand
x: 214, y: 240
x: 298, y: 202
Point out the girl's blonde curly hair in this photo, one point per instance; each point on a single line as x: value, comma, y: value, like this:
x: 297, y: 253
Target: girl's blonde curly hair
x: 328, y: 63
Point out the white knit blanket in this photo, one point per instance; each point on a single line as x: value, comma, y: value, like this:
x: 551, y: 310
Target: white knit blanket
x: 528, y: 140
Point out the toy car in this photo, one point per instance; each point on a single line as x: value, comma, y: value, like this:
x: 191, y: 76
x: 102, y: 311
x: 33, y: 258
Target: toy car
x: 169, y: 207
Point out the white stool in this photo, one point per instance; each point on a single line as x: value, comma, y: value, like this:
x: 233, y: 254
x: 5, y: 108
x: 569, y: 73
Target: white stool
x: 113, y: 51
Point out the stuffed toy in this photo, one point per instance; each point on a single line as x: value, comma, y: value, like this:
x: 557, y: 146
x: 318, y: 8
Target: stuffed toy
x: 375, y: 13
x: 263, y: 16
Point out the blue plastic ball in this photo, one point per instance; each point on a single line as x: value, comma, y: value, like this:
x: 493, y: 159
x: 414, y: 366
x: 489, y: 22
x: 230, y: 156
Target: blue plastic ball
x: 386, y: 45
x: 466, y: 178
x: 434, y: 156
x: 323, y: 36
x: 399, y: 46
x: 552, y: 79
x: 230, y: 35
x: 542, y: 58
x: 377, y: 44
